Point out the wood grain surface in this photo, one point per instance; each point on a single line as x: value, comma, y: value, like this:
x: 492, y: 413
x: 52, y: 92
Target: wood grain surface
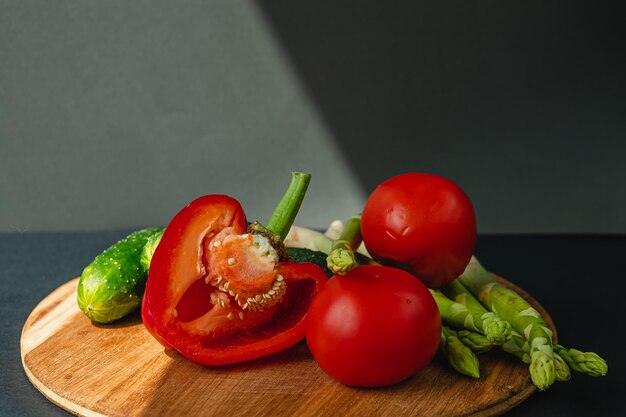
x: 120, y: 370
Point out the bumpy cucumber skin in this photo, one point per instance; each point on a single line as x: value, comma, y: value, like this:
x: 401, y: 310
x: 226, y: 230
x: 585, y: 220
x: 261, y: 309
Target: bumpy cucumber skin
x: 112, y: 285
x: 307, y: 255
x: 149, y: 248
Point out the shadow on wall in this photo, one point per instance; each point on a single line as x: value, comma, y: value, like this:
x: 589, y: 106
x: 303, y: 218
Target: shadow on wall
x: 520, y: 104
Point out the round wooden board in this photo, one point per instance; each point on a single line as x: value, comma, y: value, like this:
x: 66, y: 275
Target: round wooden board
x: 120, y: 370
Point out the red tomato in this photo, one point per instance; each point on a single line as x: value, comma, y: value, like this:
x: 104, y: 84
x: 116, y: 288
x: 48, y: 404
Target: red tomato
x: 374, y: 326
x: 422, y: 221
x: 188, y: 306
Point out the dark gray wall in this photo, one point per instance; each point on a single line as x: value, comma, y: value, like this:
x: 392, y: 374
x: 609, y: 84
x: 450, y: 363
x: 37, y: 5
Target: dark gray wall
x: 116, y: 114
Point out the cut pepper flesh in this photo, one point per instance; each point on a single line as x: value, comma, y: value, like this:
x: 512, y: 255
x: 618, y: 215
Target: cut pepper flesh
x: 217, y: 294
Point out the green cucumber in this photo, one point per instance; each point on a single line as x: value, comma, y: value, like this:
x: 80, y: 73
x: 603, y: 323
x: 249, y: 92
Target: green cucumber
x: 112, y: 285
x: 149, y: 248
x: 307, y: 255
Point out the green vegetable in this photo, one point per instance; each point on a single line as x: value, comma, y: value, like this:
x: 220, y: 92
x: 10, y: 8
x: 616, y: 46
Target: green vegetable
x: 458, y: 315
x: 475, y: 341
x: 457, y: 292
x: 519, y: 347
x: 562, y: 371
x: 286, y: 211
x: 523, y: 317
x: 341, y: 258
x: 459, y: 356
x: 149, y: 248
x: 586, y: 362
x: 321, y: 245
x: 112, y: 285
x: 308, y: 255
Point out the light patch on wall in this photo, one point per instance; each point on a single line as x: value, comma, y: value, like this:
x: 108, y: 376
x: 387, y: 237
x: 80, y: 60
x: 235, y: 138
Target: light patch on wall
x: 117, y: 115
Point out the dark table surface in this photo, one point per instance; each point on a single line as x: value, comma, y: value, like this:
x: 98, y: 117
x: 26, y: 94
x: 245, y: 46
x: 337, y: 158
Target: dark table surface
x: 578, y: 279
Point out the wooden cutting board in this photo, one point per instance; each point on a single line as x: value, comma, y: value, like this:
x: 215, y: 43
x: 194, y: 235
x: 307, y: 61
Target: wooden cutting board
x: 120, y: 370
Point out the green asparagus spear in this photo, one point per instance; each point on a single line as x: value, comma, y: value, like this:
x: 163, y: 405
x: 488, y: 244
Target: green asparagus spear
x: 458, y: 355
x: 457, y: 292
x: 456, y: 314
x: 341, y: 259
x: 522, y: 316
x: 316, y: 241
x: 475, y: 341
x: 586, y: 362
x: 562, y: 371
x: 519, y: 347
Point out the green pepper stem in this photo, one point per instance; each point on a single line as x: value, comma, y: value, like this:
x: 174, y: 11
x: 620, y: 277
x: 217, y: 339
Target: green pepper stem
x: 286, y: 211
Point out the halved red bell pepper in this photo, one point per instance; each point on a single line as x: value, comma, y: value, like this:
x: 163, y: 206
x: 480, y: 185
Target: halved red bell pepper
x: 219, y: 295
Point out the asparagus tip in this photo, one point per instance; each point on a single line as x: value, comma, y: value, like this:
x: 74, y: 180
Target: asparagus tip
x: 542, y: 370
x: 589, y: 363
x: 462, y: 358
x: 341, y: 261
x: 498, y: 331
x: 562, y: 371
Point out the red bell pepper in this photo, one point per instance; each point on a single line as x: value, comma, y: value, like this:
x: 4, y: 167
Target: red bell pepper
x: 219, y: 295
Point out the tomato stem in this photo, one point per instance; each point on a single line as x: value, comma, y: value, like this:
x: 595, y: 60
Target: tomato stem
x: 286, y: 211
